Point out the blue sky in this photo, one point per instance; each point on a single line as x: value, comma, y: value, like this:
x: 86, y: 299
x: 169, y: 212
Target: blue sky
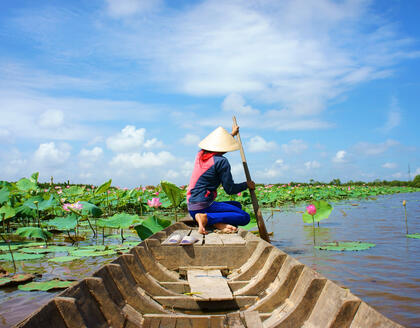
x: 125, y: 89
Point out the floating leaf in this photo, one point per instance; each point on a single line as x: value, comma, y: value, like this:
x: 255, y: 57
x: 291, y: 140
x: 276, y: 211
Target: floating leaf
x: 33, y: 232
x: 414, y: 235
x: 16, y: 279
x: 174, y: 193
x: 88, y: 252
x: 36, y: 250
x: 119, y: 221
x: 345, y: 246
x: 46, y: 285
x: 150, y: 226
x: 64, y: 223
x: 61, y: 259
x: 20, y: 256
x: 323, y: 211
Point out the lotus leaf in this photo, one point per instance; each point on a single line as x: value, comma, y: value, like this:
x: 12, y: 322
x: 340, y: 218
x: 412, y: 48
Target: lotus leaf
x: 36, y: 250
x: 46, y: 285
x: 64, y: 223
x: 323, y: 211
x: 20, y: 256
x: 74, y: 191
x: 31, y: 202
x: 61, y: 259
x: 26, y: 185
x: 174, y: 193
x: 47, y: 204
x: 89, y: 252
x: 103, y: 187
x: 34, y: 177
x: 5, y: 248
x: 150, y: 226
x: 345, y: 246
x: 414, y: 235
x: 119, y: 221
x: 4, y: 195
x: 8, y: 212
x: 91, y: 209
x: 33, y: 232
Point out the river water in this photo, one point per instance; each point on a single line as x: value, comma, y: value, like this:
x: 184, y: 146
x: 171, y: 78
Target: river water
x: 386, y: 276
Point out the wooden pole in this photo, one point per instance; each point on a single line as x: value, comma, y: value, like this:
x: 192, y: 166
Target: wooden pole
x: 260, y: 221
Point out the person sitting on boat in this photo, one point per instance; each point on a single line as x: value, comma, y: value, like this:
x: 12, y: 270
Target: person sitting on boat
x: 211, y: 169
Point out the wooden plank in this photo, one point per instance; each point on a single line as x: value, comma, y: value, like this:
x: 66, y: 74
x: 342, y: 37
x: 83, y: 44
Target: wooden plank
x: 212, y: 239
x: 234, y: 320
x: 177, y: 232
x: 252, y: 319
x: 232, y: 239
x: 209, y: 285
x: 199, y: 236
x: 167, y: 322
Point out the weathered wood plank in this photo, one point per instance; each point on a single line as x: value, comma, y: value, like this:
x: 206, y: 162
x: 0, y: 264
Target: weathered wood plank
x: 232, y: 239
x: 212, y: 239
x: 233, y: 320
x: 182, y: 233
x: 209, y: 285
x: 252, y: 319
x: 199, y: 236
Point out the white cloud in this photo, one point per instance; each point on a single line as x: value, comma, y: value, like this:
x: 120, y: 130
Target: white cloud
x: 128, y: 139
x: 398, y: 175
x: 298, y: 53
x: 88, y: 157
x: 171, y: 174
x: 389, y: 165
x: 51, y: 119
x: 236, y: 103
x: 340, y: 157
x: 141, y: 160
x: 259, y: 144
x: 49, y: 155
x: 371, y: 149
x: 279, y: 163
x: 123, y: 8
x: 393, y: 118
x: 295, y: 146
x: 153, y: 144
x: 190, y: 139
x: 312, y: 165
x: 131, y: 139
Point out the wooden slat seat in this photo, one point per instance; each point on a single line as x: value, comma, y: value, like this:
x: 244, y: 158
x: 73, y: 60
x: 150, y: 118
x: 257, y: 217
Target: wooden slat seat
x: 209, y: 285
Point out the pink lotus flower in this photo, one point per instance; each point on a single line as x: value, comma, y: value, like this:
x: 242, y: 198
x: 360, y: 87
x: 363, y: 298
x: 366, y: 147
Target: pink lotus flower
x: 67, y: 186
x: 75, y: 206
x: 239, y: 193
x: 311, y: 209
x: 155, y: 202
x: 349, y: 188
x: 59, y: 192
x: 144, y: 189
x: 157, y: 193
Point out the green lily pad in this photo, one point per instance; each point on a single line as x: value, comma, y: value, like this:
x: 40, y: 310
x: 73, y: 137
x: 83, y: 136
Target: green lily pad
x: 5, y: 248
x: 16, y: 279
x: 119, y: 221
x: 61, y: 259
x: 64, y: 223
x: 345, y: 246
x: 88, y: 252
x: 36, y: 250
x: 33, y: 232
x: 414, y: 235
x: 46, y: 285
x: 20, y: 257
x: 150, y: 226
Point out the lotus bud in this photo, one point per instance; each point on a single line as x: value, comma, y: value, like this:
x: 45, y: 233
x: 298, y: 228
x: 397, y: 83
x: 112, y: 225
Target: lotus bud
x: 311, y: 209
x: 404, y: 202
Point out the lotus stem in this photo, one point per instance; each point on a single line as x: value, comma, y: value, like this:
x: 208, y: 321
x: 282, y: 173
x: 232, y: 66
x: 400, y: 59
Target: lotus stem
x: 10, y: 250
x: 71, y: 238
x: 405, y: 212
x: 313, y: 227
x: 122, y: 236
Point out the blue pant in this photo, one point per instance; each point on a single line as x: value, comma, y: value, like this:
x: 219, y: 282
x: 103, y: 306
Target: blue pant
x: 224, y: 212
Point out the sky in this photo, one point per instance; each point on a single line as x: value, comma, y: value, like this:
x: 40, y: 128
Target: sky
x: 126, y: 89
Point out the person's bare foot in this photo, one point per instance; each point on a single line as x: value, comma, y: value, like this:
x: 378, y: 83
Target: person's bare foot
x: 201, y: 219
x: 225, y: 228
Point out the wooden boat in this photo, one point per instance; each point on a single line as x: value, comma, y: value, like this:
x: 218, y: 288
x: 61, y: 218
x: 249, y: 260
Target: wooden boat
x: 223, y: 280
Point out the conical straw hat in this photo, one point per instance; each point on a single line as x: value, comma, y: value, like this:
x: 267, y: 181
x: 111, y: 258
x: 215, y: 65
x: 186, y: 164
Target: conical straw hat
x: 219, y: 140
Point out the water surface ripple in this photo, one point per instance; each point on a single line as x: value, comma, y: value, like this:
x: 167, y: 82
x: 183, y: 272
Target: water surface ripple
x: 386, y: 276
